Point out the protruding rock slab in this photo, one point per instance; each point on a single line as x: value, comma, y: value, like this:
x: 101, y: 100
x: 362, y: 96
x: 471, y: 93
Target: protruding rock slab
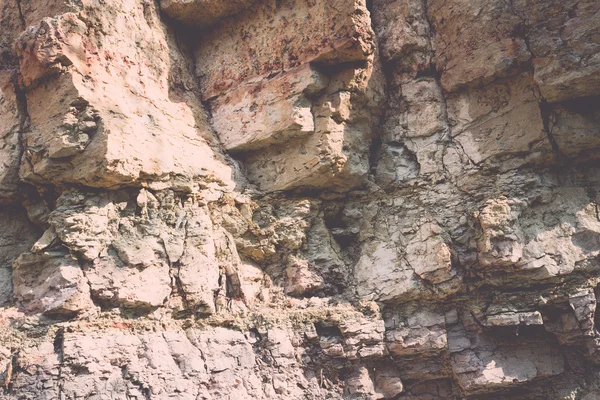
x: 298, y: 81
x: 488, y: 49
x: 335, y: 156
x: 505, y: 366
x: 51, y: 283
x: 508, y: 241
x: 564, y: 39
x: 482, y: 361
x: 279, y: 35
x: 497, y: 122
x: 118, y: 114
x: 203, y: 13
x: 559, y: 38
x: 271, y: 111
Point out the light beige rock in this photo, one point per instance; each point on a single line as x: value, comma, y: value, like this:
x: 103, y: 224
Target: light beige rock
x: 401, y: 27
x: 514, y: 319
x: 499, y: 122
x: 267, y: 112
x: 51, y: 283
x: 199, y: 271
x: 315, y: 141
x: 566, y: 62
x: 223, y: 61
x: 501, y: 242
x: 382, y: 275
x: 489, y: 48
x: 84, y: 224
x: 80, y: 76
x: 301, y: 280
x: 512, y: 365
x: 429, y: 256
x: 551, y: 251
x: 113, y: 284
x: 121, y: 358
x: 422, y: 333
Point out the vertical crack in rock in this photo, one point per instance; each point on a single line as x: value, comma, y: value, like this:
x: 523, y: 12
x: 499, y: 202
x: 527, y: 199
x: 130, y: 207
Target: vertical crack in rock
x: 10, y: 371
x: 548, y: 118
x: 376, y: 143
x: 21, y: 16
x: 58, y: 345
x: 24, y: 119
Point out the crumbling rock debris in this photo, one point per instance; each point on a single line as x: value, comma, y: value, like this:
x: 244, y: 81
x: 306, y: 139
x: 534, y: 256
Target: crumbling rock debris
x: 299, y: 199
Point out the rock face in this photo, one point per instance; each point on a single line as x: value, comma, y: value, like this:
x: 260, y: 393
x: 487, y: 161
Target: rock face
x: 299, y: 199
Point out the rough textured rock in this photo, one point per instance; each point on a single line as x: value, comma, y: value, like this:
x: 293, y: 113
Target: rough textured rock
x: 102, y: 87
x: 299, y: 199
x: 301, y: 109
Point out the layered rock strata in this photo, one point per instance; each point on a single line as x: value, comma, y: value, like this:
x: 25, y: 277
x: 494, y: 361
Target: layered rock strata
x: 299, y: 199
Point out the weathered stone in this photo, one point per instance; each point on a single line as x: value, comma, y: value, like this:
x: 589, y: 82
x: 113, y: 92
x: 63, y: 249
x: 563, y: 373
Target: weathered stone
x: 117, y: 285
x: 84, y: 224
x: 301, y: 280
x: 11, y: 124
x: 401, y: 28
x: 583, y: 304
x: 574, y: 127
x: 199, y: 271
x: 422, y: 333
x: 514, y: 319
x: 57, y: 53
x: 321, y: 32
x: 387, y: 381
x: 424, y: 111
x: 363, y: 338
x: 498, y: 122
x: 563, y: 41
x: 410, y: 210
x: 383, y: 276
x: 491, y: 47
x: 494, y: 363
x: 550, y: 252
x: 359, y: 383
x: 203, y: 13
x: 506, y: 366
x: 501, y: 242
x: 316, y: 141
x: 396, y: 164
x: 429, y: 256
x: 18, y: 235
x: 268, y: 112
x: 50, y: 283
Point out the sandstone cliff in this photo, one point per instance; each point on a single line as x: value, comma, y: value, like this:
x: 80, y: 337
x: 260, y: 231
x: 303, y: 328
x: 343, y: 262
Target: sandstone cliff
x: 299, y: 199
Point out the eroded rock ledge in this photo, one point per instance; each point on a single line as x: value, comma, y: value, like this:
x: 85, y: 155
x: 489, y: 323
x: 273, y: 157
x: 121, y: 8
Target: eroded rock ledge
x: 299, y: 199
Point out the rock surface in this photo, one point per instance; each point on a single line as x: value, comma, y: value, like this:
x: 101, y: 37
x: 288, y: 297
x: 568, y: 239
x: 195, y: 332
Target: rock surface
x: 299, y: 199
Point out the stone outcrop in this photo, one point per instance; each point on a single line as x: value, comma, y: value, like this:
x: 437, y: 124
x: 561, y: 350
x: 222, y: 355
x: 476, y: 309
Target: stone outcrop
x: 294, y: 89
x: 299, y: 199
